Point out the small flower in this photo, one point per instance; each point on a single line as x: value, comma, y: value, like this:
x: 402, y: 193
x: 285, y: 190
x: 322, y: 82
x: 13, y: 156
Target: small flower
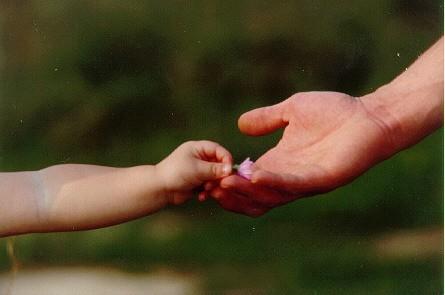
x: 244, y: 169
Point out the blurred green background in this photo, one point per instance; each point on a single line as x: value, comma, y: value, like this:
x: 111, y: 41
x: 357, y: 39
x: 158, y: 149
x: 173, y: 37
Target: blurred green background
x: 123, y: 83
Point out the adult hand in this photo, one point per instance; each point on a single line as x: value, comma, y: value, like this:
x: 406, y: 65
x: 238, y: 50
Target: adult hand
x: 329, y: 139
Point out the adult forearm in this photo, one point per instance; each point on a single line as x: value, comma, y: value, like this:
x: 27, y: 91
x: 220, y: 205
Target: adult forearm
x: 411, y: 106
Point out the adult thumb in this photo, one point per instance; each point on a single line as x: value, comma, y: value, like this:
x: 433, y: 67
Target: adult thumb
x: 212, y: 170
x: 264, y: 120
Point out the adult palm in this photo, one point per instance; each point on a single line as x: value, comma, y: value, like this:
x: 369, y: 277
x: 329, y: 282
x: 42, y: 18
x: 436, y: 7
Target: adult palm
x: 329, y: 139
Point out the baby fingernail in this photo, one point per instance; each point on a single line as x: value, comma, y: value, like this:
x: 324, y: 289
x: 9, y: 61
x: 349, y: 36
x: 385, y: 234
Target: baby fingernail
x: 227, y: 169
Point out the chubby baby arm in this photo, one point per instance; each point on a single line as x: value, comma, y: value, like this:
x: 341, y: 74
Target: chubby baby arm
x: 79, y: 197
x: 76, y: 197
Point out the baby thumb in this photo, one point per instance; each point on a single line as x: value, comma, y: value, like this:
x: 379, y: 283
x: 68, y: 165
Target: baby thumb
x: 211, y: 170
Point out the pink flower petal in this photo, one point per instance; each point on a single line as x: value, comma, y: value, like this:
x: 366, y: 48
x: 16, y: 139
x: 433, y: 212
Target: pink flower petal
x: 245, y: 169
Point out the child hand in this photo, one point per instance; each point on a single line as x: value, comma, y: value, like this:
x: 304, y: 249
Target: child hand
x: 190, y: 165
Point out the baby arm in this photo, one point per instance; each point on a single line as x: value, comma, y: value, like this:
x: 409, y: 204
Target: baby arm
x: 78, y: 197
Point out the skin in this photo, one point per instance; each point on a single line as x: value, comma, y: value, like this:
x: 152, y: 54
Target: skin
x: 332, y: 138
x: 79, y: 197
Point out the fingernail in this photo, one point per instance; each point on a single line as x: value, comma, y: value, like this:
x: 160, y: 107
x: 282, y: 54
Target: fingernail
x: 256, y: 177
x: 227, y: 169
x: 223, y: 185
